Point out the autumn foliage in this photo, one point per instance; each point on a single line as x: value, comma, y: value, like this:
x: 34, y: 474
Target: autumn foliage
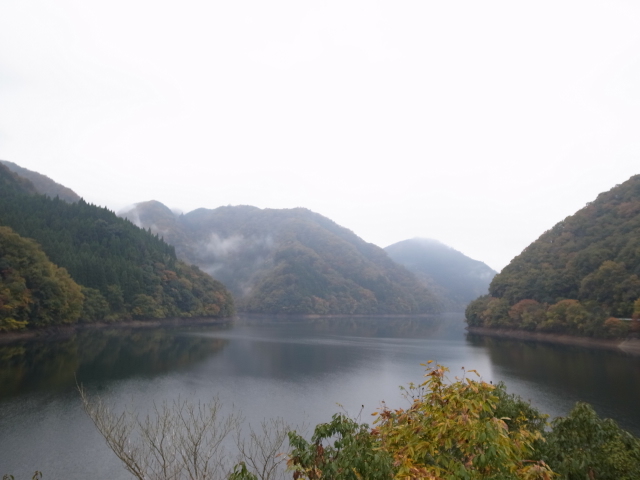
x: 450, y: 430
x: 583, y: 271
x: 466, y: 429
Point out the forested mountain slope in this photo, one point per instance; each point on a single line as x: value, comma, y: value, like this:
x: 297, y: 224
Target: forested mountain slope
x: 43, y: 184
x: 125, y: 272
x: 576, y: 275
x: 456, y: 277
x: 288, y: 261
x: 33, y: 291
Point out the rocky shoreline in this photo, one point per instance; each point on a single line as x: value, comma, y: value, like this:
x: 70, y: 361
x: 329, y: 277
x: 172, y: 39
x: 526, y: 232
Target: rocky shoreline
x: 630, y: 346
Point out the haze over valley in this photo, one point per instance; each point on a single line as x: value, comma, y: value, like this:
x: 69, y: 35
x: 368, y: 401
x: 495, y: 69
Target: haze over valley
x: 477, y: 124
x: 224, y: 219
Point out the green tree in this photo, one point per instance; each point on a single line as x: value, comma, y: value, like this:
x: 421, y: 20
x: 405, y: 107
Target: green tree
x: 566, y: 316
x: 95, y: 307
x: 584, y: 446
x: 613, y: 286
x: 496, y: 314
x: 474, y: 311
x: 145, y: 306
x: 342, y: 449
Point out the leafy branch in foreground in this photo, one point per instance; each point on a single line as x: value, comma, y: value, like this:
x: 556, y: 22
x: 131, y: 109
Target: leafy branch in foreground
x: 451, y: 431
x: 461, y: 429
x: 353, y: 454
x: 583, y: 445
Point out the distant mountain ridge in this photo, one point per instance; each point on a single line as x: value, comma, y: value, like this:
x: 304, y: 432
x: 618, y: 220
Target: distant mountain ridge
x: 288, y: 261
x: 456, y: 277
x: 43, y: 184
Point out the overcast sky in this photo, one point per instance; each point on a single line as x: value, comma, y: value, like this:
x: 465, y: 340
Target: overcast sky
x: 477, y: 123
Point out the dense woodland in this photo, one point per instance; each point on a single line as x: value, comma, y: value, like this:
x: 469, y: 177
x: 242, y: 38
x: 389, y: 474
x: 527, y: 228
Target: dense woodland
x: 33, y: 291
x: 581, y: 277
x: 105, y: 267
x: 289, y: 261
x: 457, y: 278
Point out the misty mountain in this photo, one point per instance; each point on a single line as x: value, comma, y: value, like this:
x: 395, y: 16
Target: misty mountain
x: 576, y: 275
x: 288, y: 260
x: 446, y: 271
x: 43, y: 184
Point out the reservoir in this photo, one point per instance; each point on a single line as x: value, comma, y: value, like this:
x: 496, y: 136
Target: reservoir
x: 302, y: 370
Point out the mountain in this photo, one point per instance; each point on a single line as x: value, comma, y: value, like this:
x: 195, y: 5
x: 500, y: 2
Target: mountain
x: 43, y: 184
x: 577, y: 277
x: 14, y: 184
x: 288, y: 261
x: 124, y: 272
x: 456, y: 277
x: 33, y: 290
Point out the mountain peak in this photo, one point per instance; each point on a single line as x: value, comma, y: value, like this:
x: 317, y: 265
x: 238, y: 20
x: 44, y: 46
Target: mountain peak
x: 290, y: 261
x: 43, y: 184
x: 455, y: 276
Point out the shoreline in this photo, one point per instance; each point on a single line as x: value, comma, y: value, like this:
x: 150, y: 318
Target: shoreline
x: 630, y: 346
x: 314, y: 316
x: 64, y: 331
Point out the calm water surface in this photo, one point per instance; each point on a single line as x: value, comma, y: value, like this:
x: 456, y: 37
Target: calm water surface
x: 304, y: 371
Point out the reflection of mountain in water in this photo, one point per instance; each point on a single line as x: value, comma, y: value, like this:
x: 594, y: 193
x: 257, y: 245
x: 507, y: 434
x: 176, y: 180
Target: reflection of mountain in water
x: 96, y: 356
x: 294, y: 348
x: 388, y: 326
x: 585, y: 374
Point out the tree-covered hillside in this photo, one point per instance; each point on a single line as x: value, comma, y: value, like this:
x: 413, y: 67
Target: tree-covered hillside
x: 288, y: 261
x: 125, y: 272
x: 13, y: 184
x: 33, y: 291
x: 577, y: 277
x: 457, y: 278
x: 43, y: 184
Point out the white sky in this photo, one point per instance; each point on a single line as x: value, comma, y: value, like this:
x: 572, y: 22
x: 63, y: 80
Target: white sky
x: 477, y: 123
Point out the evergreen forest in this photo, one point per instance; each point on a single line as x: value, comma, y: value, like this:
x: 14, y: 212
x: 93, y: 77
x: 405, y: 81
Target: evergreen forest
x: 106, y: 268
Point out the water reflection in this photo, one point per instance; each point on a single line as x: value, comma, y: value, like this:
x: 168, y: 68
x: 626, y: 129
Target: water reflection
x: 293, y: 368
x: 296, y: 349
x: 560, y: 375
x: 401, y: 326
x: 98, y: 356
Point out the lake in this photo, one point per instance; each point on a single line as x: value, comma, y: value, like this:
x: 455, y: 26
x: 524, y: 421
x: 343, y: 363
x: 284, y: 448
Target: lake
x: 299, y: 369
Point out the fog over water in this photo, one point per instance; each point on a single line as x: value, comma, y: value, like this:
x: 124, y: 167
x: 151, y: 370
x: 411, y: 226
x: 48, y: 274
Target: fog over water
x: 480, y: 124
